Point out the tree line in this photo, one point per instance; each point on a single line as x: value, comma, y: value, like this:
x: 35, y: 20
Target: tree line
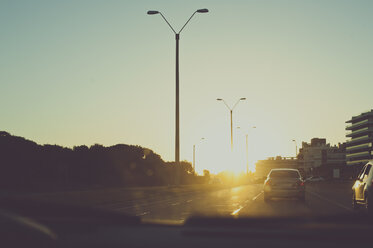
x: 26, y: 165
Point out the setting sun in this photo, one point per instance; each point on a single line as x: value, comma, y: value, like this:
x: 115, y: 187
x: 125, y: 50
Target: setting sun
x: 215, y: 154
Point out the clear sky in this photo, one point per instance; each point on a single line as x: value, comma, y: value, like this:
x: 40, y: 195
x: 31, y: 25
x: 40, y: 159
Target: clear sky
x: 82, y: 72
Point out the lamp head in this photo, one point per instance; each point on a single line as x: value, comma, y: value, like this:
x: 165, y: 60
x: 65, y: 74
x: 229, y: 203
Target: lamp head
x: 202, y: 10
x: 152, y: 12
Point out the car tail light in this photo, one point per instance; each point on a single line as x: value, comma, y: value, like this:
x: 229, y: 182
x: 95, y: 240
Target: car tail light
x: 268, y: 186
x: 299, y: 184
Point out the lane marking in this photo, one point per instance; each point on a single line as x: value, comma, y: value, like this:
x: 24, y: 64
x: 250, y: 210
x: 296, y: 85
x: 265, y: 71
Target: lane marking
x: 330, y: 201
x: 126, y: 205
x: 235, y: 212
x: 143, y: 213
x: 257, y: 196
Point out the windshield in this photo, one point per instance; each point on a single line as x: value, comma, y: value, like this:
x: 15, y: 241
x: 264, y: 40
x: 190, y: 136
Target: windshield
x: 167, y: 111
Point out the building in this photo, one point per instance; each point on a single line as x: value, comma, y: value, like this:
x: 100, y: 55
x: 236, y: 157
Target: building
x: 316, y: 158
x: 321, y: 159
x: 313, y: 154
x: 263, y: 167
x: 359, y: 139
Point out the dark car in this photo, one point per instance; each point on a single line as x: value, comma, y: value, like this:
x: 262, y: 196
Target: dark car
x: 362, y: 188
x: 284, y: 183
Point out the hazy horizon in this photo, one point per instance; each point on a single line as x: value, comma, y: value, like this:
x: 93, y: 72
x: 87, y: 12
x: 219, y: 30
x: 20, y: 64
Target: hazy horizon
x: 86, y: 72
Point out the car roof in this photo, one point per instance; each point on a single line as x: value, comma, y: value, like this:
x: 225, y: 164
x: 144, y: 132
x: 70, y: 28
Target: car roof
x: 285, y: 169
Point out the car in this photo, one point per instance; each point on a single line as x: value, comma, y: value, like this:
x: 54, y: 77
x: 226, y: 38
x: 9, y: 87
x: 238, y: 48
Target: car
x: 284, y: 183
x: 362, y: 189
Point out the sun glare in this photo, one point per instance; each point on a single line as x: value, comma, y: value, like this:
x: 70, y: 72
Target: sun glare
x: 215, y: 154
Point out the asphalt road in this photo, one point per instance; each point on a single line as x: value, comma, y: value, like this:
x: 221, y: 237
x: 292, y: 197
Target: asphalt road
x: 243, y: 201
x: 176, y: 204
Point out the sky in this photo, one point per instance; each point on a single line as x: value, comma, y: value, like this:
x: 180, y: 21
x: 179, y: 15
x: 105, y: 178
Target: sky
x: 79, y: 72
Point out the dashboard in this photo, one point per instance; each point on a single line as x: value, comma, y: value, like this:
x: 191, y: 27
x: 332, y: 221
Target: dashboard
x: 30, y: 226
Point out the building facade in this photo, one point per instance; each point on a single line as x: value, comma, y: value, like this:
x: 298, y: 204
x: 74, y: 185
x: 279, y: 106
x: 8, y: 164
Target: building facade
x: 321, y: 159
x: 359, y: 139
x: 316, y: 158
x: 312, y: 154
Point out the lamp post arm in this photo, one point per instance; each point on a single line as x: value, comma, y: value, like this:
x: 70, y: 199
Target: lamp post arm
x: 236, y: 103
x: 226, y: 104
x: 187, y: 21
x: 164, y: 18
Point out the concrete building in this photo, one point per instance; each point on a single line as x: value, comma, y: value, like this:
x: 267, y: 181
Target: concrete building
x: 312, y: 154
x: 359, y: 139
x: 263, y: 167
x: 321, y: 159
x: 316, y: 158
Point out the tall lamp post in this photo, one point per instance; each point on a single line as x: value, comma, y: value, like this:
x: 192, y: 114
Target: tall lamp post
x: 247, y: 150
x: 296, y: 148
x: 194, y: 155
x: 177, y: 38
x: 231, y: 115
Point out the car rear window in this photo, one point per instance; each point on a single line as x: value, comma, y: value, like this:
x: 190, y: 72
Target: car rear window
x: 284, y: 174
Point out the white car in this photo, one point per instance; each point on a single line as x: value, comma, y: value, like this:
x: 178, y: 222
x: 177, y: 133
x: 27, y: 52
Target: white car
x: 284, y: 183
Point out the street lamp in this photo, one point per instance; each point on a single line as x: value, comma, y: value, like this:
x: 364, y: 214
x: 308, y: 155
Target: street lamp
x: 296, y: 148
x: 247, y: 150
x: 231, y: 115
x: 177, y: 37
x: 194, y: 155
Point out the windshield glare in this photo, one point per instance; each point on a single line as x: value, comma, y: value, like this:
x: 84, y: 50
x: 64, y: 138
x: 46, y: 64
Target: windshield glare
x: 98, y: 109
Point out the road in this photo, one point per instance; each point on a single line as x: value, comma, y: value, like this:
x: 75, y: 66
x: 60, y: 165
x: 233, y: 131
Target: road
x: 243, y: 201
x: 176, y: 204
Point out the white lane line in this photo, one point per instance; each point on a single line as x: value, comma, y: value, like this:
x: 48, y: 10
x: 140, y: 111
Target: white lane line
x: 330, y: 201
x: 143, y: 213
x: 235, y: 212
x: 256, y: 197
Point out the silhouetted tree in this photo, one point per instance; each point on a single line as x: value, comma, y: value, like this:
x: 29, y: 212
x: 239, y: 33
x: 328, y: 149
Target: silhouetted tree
x: 26, y: 165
